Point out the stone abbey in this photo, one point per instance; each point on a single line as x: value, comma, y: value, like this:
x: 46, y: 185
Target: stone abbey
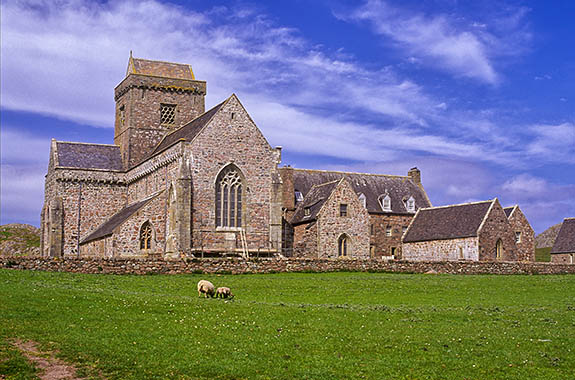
x: 180, y: 181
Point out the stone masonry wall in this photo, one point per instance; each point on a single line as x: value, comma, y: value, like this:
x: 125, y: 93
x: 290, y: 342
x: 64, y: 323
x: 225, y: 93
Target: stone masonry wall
x: 496, y: 227
x: 305, y: 240
x: 442, y: 250
x: 526, y: 246
x: 563, y: 258
x: 238, y: 141
x: 355, y: 225
x: 382, y: 243
x: 86, y: 205
x: 237, y: 266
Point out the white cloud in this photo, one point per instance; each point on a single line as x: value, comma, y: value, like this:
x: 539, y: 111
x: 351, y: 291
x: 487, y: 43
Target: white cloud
x: 440, y: 42
x: 552, y: 142
x: 525, y: 184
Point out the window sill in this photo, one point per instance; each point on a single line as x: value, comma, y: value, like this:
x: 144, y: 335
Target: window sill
x: 229, y: 229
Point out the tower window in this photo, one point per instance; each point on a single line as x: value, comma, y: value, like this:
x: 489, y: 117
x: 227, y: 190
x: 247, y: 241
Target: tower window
x: 122, y: 115
x: 167, y: 114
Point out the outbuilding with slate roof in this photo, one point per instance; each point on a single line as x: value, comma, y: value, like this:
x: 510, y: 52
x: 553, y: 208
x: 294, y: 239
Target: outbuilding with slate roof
x: 477, y: 231
x: 524, y: 233
x: 331, y: 222
x: 563, y: 250
x: 391, y: 201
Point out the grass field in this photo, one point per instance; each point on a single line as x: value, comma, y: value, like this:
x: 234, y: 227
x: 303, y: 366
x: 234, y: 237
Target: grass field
x: 298, y: 326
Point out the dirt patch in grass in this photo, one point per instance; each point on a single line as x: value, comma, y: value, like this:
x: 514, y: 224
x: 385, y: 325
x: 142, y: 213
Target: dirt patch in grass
x: 50, y: 367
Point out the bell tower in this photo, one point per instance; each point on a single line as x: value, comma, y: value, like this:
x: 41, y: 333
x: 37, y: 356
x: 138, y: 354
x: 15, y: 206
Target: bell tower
x: 154, y: 99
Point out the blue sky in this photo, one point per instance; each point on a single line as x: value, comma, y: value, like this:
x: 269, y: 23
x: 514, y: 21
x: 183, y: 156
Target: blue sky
x: 479, y: 95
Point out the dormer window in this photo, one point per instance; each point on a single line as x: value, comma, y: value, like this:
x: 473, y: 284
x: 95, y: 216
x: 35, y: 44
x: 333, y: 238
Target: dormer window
x: 363, y: 200
x: 306, y: 211
x: 167, y: 114
x: 410, y: 205
x: 298, y: 196
x: 385, y: 202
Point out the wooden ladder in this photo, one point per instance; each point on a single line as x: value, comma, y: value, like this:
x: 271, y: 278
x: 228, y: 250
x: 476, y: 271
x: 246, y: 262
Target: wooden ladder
x: 245, y: 252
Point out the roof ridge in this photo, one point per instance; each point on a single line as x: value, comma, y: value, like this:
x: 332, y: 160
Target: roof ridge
x: 342, y: 172
x: 326, y: 183
x: 85, y: 143
x: 189, y: 122
x: 457, y: 205
x: 154, y: 60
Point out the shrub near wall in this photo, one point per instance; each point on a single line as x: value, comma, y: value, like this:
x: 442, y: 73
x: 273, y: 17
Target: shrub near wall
x: 238, y: 266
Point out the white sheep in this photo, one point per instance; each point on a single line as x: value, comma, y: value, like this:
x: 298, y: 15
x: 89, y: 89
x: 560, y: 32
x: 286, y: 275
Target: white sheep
x: 224, y: 292
x: 205, y: 287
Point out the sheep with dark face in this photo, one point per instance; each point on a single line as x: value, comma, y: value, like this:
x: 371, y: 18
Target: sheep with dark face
x: 224, y: 292
x: 207, y: 288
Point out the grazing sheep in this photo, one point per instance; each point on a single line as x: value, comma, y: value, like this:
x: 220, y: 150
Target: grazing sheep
x: 224, y: 292
x: 205, y: 287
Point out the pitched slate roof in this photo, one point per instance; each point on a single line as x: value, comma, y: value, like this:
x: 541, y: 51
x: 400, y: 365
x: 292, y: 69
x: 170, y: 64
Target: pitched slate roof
x: 188, y: 131
x: 509, y: 210
x: 565, y: 241
x: 108, y: 227
x: 447, y: 222
x: 160, y: 69
x: 314, y: 200
x: 88, y: 156
x: 373, y: 186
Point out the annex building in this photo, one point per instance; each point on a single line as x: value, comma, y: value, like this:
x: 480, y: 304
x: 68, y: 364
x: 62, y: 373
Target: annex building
x: 180, y: 181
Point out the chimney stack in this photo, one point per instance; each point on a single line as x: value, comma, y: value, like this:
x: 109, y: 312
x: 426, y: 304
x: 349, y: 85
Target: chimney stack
x: 415, y: 175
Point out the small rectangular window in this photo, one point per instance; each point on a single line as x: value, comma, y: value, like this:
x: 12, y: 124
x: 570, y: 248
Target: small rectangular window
x: 388, y: 231
x: 371, y: 229
x: 343, y: 209
x: 518, y: 237
x: 306, y: 211
x: 232, y: 116
x: 167, y: 114
x: 403, y: 229
x: 393, y: 250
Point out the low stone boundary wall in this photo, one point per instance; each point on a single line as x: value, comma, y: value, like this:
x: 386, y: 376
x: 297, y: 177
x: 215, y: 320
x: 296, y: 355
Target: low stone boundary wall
x: 238, y: 266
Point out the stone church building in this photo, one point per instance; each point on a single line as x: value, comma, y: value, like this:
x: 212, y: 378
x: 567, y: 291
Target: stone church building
x: 180, y: 181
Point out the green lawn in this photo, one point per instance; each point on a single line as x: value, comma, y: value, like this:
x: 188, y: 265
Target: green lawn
x: 298, y: 326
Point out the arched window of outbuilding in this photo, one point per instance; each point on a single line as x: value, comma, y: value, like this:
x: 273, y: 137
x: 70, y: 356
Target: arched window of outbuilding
x: 342, y: 246
x: 499, y: 249
x: 229, y: 197
x: 146, y: 234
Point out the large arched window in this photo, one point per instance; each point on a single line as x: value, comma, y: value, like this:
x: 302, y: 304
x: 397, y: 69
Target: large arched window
x: 146, y: 234
x: 229, y: 192
x: 342, y: 246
